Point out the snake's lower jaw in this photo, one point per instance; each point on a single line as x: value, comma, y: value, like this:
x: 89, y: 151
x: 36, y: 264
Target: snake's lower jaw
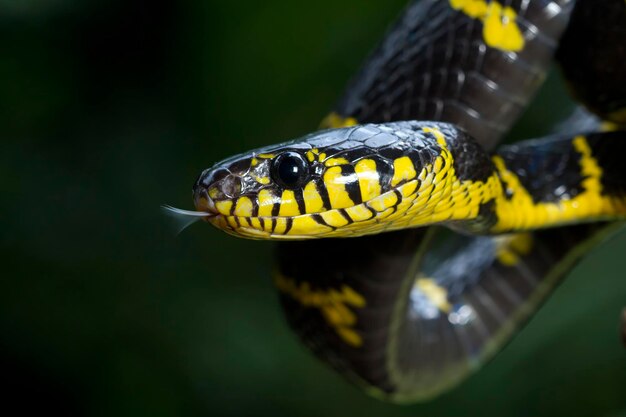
x: 222, y: 223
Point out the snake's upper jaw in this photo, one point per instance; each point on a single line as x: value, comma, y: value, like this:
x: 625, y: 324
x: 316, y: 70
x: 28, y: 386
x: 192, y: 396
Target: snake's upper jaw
x: 204, y: 203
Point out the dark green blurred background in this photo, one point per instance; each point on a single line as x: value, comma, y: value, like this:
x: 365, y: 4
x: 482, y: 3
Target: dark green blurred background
x: 109, y: 109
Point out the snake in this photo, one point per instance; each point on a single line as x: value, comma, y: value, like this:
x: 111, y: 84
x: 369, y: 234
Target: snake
x: 411, y: 247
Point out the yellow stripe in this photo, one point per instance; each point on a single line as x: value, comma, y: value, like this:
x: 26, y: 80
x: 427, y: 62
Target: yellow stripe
x: 281, y: 225
x: 331, y: 162
x: 214, y: 192
x: 305, y: 225
x: 500, y: 28
x: 243, y: 208
x: 334, y: 218
x: 332, y: 303
x: 438, y: 134
x: 335, y: 186
x: 261, y: 180
x: 312, y: 199
x: 522, y: 213
x: 383, y: 202
x: 402, y: 170
x: 255, y: 222
x: 224, y: 207
x: 369, y: 179
x: 288, y: 205
x: 359, y: 213
x: 266, y: 201
x: 408, y: 188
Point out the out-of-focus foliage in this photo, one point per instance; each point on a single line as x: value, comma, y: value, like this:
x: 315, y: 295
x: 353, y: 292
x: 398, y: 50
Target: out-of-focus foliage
x: 109, y: 109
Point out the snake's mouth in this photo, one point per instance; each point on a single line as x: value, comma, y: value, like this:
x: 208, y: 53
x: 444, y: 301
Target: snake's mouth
x: 204, y: 203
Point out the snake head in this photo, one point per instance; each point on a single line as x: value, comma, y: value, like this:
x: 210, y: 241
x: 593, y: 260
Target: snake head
x: 245, y: 191
x: 338, y: 182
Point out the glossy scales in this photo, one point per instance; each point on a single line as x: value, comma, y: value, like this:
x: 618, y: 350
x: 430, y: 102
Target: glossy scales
x: 455, y: 61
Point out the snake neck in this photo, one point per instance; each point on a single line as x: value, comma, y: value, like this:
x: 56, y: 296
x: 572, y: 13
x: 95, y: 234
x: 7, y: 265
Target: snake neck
x: 511, y: 192
x: 587, y: 185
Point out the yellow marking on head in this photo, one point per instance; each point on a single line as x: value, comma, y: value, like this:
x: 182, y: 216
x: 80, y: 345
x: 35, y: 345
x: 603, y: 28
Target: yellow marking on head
x: 334, y: 218
x: 334, y: 121
x: 510, y: 248
x: 331, y: 162
x: 214, y: 192
x: 266, y: 201
x: 312, y: 199
x: 385, y: 214
x: 441, y: 196
x: 224, y: 207
x: 334, y: 304
x: 359, y: 213
x: 314, y: 155
x: 435, y: 293
x: 261, y: 180
x: 383, y: 202
x: 281, y: 226
x: 438, y: 134
x: 254, y: 162
x: 335, y: 186
x: 267, y: 225
x: 266, y: 155
x: 403, y: 169
x: 305, y: 225
x: 243, y: 207
x: 408, y: 188
x: 369, y: 179
x: 232, y: 222
x: 500, y: 28
x: 255, y: 222
x: 288, y: 205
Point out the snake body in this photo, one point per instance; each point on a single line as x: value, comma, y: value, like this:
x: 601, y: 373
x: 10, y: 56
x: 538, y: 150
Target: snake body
x: 406, y: 314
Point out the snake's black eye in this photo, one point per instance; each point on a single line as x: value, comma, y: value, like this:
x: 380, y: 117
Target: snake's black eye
x: 290, y: 170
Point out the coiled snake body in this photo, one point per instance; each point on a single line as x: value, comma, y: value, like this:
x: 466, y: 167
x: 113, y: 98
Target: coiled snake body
x: 404, y: 314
